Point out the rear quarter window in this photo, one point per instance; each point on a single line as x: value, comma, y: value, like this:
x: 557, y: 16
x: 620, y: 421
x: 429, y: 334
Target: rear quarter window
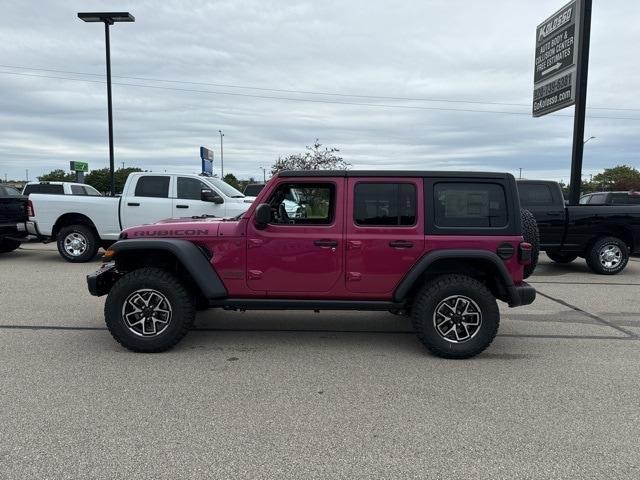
x: 469, y: 205
x: 535, y: 195
x: 153, y: 186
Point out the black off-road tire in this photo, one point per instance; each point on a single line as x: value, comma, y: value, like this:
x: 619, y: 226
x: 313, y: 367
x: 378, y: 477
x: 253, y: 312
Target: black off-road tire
x: 8, y: 245
x: 431, y: 296
x: 559, y: 257
x: 593, y: 256
x: 180, y: 302
x: 531, y: 235
x: 84, y: 234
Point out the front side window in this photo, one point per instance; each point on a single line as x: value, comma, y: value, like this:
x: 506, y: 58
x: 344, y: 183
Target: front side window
x: 461, y: 204
x: 303, y: 204
x: 385, y: 204
x: 153, y: 186
x: 584, y: 200
x: 191, y: 188
x: 598, y: 199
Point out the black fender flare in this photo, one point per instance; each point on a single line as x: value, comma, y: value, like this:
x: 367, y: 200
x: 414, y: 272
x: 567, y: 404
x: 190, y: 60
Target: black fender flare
x: 188, y: 254
x: 409, y: 280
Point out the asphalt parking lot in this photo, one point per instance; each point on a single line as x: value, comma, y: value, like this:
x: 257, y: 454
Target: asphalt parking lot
x: 329, y: 395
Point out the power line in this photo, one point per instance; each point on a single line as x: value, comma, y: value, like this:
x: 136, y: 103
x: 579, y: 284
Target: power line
x: 304, y: 92
x: 308, y: 100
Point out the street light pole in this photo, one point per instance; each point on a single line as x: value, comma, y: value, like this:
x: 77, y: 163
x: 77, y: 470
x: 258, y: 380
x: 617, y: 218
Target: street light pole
x: 585, y: 142
x: 221, y: 155
x: 108, y: 18
x: 110, y: 109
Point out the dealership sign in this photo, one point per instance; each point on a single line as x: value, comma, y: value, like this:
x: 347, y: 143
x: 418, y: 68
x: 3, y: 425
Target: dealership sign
x: 206, y: 155
x: 556, y: 56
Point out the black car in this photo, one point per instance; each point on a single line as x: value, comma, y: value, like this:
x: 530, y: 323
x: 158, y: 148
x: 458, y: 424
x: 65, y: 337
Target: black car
x: 604, y: 235
x: 13, y: 213
x: 253, y: 189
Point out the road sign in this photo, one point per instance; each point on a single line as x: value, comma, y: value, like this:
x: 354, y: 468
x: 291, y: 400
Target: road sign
x: 207, y: 160
x: 555, y: 94
x: 555, y: 61
x: 78, y: 166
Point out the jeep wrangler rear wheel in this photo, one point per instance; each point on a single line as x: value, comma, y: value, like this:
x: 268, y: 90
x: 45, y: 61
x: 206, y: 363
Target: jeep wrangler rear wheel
x: 149, y: 310
x: 455, y: 316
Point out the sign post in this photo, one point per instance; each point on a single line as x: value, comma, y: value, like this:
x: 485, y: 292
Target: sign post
x: 80, y: 168
x: 560, y: 75
x: 206, y: 156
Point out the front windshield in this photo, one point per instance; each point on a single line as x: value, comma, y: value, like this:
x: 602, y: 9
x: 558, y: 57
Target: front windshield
x: 225, y: 188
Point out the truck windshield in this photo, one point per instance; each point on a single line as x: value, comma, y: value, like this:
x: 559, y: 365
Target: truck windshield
x: 225, y: 188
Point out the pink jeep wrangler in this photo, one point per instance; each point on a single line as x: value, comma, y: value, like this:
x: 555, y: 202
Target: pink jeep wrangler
x: 439, y: 246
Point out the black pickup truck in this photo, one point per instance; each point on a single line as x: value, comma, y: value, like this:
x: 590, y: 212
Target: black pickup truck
x: 604, y: 235
x: 13, y: 214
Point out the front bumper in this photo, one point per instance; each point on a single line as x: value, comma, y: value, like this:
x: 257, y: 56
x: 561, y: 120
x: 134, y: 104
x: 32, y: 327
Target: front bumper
x: 523, y: 294
x: 101, y: 281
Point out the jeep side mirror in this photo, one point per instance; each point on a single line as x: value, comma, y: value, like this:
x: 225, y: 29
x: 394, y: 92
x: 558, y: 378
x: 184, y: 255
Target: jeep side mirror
x: 262, y: 215
x: 210, y: 196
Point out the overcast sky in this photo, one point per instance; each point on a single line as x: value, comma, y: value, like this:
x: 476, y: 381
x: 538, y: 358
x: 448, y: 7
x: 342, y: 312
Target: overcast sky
x: 242, y: 66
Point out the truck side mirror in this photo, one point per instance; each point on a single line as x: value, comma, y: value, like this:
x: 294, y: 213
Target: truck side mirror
x: 262, y: 215
x: 210, y: 196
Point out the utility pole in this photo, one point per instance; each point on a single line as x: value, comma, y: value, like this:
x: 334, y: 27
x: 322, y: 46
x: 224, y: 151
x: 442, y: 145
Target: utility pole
x: 520, y: 177
x: 27, y: 174
x: 264, y: 174
x: 123, y: 165
x: 221, y: 155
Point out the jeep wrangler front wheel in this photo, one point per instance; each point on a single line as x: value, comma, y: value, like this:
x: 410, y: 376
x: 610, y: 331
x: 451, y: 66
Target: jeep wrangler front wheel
x: 455, y: 316
x: 149, y: 310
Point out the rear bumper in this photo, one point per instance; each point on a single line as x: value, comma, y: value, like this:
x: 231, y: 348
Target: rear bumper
x: 14, y: 231
x: 523, y: 294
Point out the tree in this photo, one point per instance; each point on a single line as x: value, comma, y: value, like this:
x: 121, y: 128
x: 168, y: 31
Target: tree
x: 231, y: 179
x: 315, y: 158
x: 57, y: 175
x: 620, y: 177
x: 101, y: 179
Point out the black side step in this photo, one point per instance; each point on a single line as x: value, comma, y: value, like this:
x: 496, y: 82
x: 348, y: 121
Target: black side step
x: 292, y: 304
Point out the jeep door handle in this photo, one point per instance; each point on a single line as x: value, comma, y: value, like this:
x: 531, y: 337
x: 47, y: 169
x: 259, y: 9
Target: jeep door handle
x: 132, y: 204
x: 400, y: 244
x: 325, y: 243
x: 182, y: 206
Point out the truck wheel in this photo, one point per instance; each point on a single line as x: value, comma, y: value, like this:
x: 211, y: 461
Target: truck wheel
x: 77, y: 243
x: 8, y: 245
x: 531, y: 235
x: 559, y: 257
x: 149, y: 310
x: 455, y: 316
x: 608, y: 256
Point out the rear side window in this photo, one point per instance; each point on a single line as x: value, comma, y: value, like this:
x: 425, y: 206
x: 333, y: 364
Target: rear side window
x: 78, y: 190
x: 44, y: 188
x: 9, y: 191
x: 535, y: 195
x: 460, y: 204
x: 153, y: 186
x: 584, y: 200
x: 385, y: 204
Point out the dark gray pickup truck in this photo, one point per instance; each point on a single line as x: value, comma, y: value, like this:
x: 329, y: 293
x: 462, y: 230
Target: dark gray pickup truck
x: 604, y: 235
x: 13, y: 214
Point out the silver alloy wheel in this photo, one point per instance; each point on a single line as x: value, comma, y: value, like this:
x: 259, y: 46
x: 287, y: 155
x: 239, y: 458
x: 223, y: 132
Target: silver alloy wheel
x: 610, y: 256
x: 457, y: 319
x: 75, y: 244
x: 146, y: 312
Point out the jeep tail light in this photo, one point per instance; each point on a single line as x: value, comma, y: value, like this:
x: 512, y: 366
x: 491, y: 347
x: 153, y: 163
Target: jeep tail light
x: 525, y: 252
x: 30, y: 211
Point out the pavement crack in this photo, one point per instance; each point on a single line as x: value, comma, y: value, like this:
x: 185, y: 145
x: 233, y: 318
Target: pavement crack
x: 590, y: 315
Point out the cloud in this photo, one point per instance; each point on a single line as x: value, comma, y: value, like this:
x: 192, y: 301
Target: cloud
x: 450, y: 50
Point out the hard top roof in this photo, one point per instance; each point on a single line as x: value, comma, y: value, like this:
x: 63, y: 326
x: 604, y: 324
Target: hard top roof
x: 392, y: 173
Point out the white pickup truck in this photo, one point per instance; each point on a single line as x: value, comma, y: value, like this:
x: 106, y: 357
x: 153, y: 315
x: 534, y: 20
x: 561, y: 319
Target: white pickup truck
x: 82, y: 224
